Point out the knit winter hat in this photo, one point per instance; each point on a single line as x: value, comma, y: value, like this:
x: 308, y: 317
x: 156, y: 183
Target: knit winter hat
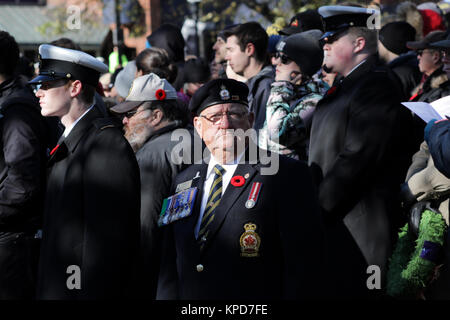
x: 395, y: 35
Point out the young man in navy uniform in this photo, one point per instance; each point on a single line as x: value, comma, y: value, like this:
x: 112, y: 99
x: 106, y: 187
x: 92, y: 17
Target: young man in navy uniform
x: 232, y: 229
x: 91, y: 220
x: 357, y: 153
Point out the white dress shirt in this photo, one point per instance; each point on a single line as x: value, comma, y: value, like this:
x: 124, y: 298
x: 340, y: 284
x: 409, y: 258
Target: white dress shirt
x: 226, y: 178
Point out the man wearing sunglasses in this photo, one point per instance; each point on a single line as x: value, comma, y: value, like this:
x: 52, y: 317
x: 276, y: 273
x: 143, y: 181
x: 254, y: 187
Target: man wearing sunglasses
x: 90, y: 234
x: 356, y: 152
x: 241, y: 233
x: 151, y: 114
x: 434, y: 84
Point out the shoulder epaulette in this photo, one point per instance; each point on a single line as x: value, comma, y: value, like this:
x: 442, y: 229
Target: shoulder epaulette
x: 104, y: 123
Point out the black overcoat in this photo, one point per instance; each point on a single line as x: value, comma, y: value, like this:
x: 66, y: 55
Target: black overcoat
x: 91, y: 215
x: 359, y: 153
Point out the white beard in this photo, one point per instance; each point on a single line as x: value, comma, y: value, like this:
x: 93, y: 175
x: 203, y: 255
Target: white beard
x: 138, y: 135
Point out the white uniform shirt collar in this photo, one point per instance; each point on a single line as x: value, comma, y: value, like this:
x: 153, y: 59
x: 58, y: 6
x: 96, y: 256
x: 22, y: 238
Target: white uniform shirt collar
x: 355, y: 67
x: 69, y: 128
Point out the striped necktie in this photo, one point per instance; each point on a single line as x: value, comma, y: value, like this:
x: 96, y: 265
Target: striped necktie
x: 214, y: 196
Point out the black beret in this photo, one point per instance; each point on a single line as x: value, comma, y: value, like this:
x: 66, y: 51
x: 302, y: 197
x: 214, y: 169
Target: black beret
x: 218, y: 91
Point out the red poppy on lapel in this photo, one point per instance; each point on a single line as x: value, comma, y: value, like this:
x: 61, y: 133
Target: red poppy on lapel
x: 237, y: 181
x: 331, y: 90
x: 54, y: 149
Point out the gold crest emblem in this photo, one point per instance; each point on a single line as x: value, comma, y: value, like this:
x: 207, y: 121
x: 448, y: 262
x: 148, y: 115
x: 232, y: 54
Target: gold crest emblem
x: 250, y: 241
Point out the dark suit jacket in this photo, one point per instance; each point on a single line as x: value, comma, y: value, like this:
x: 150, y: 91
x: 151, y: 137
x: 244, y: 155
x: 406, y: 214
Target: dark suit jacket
x: 91, y: 215
x: 287, y: 222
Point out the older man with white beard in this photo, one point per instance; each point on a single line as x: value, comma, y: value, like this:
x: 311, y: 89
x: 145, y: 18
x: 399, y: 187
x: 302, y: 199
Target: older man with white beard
x: 150, y: 114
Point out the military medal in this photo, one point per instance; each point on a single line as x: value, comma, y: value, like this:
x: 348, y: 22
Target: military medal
x: 253, y: 195
x: 177, y: 206
x: 250, y: 241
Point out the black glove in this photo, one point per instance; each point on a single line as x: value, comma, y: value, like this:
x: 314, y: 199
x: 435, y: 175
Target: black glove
x: 407, y: 199
x: 415, y: 215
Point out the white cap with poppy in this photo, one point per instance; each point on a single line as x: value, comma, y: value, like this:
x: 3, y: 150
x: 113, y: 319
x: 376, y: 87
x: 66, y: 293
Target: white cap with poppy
x: 149, y: 87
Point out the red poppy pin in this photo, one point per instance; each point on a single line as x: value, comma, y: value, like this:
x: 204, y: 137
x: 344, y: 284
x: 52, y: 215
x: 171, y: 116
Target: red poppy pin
x: 238, y: 181
x: 160, y: 94
x: 54, y: 149
x: 331, y: 90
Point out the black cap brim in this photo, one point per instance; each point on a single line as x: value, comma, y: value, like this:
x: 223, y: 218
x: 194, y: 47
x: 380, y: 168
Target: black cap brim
x: 289, y: 31
x: 126, y: 106
x: 416, y: 45
x: 43, y: 78
x: 441, y: 44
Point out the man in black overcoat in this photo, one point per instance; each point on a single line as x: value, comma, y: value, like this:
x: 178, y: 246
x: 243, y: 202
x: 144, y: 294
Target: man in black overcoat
x: 358, y: 153
x: 91, y: 221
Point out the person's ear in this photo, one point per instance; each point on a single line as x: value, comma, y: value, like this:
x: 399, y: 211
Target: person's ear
x: 75, y: 88
x: 250, y: 49
x: 437, y: 57
x: 198, y: 126
x: 360, y: 44
x: 156, y: 117
x: 251, y: 119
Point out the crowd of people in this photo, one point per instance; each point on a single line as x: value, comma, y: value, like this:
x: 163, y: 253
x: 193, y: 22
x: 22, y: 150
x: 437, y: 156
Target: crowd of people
x: 283, y: 169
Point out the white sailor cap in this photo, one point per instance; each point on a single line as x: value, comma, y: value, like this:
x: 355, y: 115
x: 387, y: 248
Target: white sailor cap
x: 61, y: 63
x: 340, y: 18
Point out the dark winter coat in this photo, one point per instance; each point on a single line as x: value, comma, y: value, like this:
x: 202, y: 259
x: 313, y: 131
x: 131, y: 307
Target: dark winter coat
x: 358, y: 157
x: 91, y: 218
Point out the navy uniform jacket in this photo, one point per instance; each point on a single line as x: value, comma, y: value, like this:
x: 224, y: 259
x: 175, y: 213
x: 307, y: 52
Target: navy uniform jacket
x: 91, y: 217
x: 289, y: 257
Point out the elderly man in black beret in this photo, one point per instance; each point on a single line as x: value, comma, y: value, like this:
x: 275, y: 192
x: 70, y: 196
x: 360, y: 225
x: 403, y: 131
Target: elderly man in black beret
x: 232, y: 231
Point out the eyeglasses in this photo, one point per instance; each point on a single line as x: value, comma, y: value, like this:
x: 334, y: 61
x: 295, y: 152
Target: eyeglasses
x: 217, y: 117
x: 284, y: 59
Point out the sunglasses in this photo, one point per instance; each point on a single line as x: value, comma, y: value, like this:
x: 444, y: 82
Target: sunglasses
x: 331, y: 36
x: 284, y: 59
